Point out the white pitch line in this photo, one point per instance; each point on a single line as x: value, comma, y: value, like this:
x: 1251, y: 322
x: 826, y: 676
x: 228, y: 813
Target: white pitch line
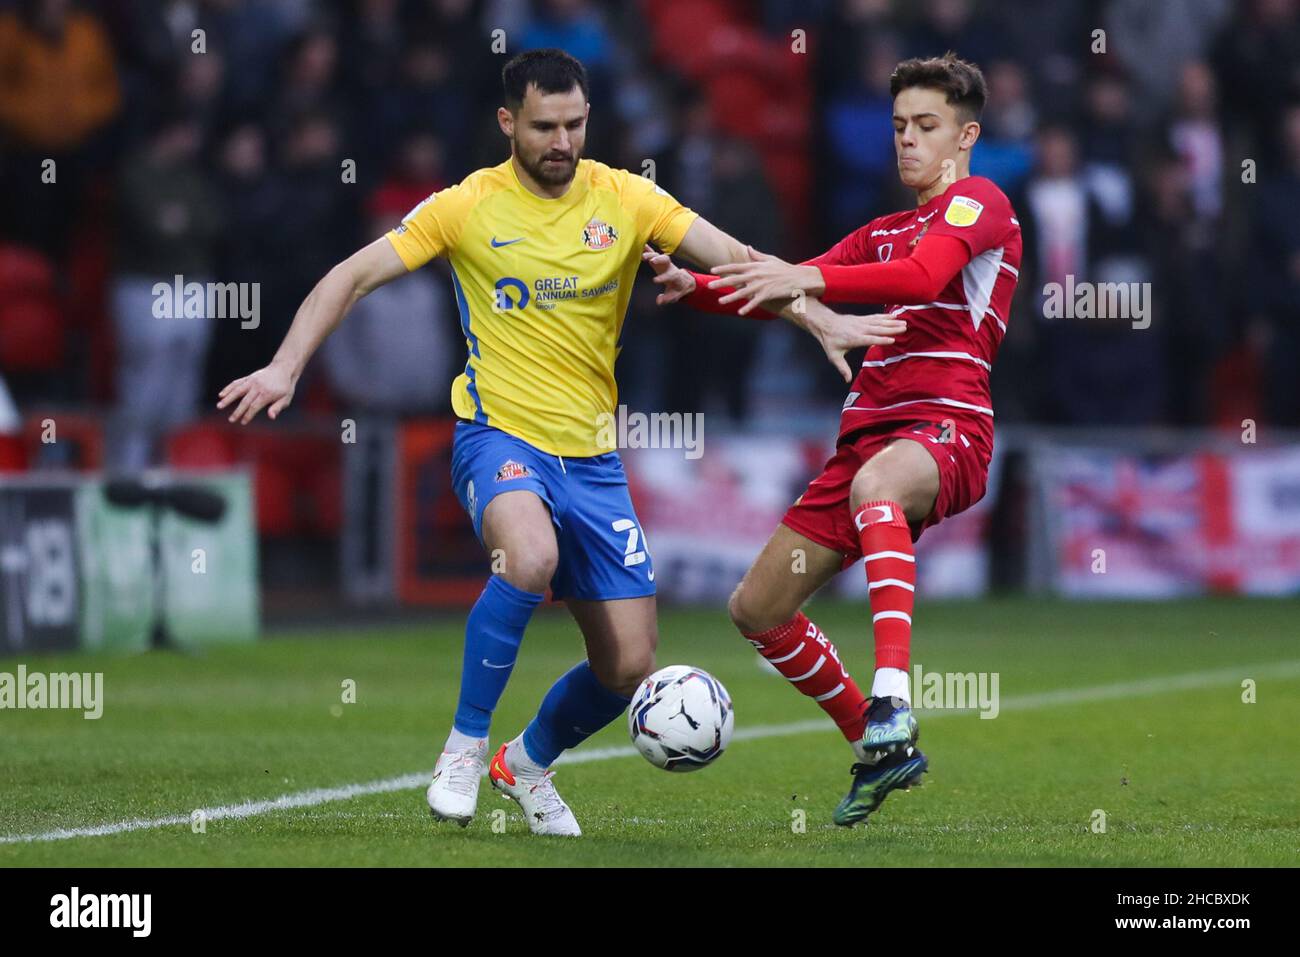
x: 419, y: 779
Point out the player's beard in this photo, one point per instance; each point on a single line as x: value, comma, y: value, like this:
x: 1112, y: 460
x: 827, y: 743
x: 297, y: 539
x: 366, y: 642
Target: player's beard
x: 549, y: 174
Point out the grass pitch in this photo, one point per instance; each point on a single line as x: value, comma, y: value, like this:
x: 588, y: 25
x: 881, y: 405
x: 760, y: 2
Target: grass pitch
x: 1130, y: 709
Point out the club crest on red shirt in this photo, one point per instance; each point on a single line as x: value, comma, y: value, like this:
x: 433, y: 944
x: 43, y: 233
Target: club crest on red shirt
x: 920, y: 233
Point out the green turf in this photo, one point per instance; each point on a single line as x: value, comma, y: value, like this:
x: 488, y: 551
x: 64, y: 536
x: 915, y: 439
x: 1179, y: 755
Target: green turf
x: 1185, y: 777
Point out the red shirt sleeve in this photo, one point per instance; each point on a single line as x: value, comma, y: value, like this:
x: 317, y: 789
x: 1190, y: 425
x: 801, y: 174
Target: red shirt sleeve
x: 706, y: 299
x: 851, y: 249
x: 919, y: 277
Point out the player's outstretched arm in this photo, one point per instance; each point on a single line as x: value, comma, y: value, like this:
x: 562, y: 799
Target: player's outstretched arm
x: 917, y: 278
x: 320, y: 313
x: 707, y: 246
x: 837, y: 333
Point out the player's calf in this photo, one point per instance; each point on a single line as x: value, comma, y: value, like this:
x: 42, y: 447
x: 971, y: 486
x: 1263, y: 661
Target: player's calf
x: 805, y: 657
x: 895, y: 487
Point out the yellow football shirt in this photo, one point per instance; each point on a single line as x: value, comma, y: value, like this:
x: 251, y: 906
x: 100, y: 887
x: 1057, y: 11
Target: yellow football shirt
x: 542, y: 286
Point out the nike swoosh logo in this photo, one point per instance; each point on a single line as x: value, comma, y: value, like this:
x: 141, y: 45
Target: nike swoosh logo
x: 650, y: 575
x: 490, y: 665
x: 508, y: 242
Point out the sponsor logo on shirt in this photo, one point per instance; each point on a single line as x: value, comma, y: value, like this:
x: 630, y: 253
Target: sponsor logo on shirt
x: 505, y: 299
x: 963, y: 211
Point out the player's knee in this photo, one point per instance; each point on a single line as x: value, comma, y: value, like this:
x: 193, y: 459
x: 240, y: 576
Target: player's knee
x: 528, y: 565
x: 624, y: 673
x: 872, y: 484
x: 750, y: 614
x: 737, y: 607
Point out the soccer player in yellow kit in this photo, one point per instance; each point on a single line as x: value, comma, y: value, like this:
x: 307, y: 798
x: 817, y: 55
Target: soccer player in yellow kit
x: 544, y: 249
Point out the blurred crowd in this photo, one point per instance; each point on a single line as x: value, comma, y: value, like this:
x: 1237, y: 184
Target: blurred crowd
x: 261, y: 141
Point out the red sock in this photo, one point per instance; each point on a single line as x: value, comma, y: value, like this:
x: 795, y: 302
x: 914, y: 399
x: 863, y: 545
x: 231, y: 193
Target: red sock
x: 891, y: 575
x: 805, y: 656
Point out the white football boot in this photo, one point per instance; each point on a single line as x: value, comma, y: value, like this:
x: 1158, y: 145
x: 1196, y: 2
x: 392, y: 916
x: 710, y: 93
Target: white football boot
x: 531, y: 787
x: 453, y: 793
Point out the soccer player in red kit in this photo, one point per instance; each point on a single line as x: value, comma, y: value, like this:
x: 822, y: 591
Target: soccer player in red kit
x: 916, y: 431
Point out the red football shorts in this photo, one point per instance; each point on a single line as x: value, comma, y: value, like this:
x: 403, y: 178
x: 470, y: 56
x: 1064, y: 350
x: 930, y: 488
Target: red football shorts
x: 822, y: 512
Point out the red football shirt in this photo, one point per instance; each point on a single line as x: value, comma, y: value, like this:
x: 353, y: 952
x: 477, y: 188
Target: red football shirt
x: 940, y: 366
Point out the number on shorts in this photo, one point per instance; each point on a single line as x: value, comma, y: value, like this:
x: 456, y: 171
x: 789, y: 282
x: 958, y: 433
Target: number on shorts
x: 631, y: 554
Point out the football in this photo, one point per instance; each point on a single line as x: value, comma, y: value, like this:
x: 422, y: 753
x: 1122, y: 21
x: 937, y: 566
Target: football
x: 681, y: 718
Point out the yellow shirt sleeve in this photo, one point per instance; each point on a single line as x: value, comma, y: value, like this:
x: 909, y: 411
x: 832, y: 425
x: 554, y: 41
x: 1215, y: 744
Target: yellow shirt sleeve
x: 659, y: 218
x: 434, y: 227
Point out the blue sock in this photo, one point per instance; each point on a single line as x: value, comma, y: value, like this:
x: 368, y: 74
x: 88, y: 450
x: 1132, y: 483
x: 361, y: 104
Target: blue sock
x: 492, y: 635
x: 576, y: 707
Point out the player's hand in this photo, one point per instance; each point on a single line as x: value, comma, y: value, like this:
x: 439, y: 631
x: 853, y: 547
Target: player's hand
x: 272, y: 385
x: 678, y: 283
x: 838, y: 333
x: 766, y: 278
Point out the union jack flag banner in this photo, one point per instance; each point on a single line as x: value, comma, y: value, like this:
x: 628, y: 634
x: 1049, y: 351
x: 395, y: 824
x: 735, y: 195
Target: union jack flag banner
x: 1121, y: 524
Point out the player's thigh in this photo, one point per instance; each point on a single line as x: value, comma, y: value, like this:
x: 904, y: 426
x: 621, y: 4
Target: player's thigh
x: 786, y: 573
x: 604, y: 555
x: 506, y: 487
x: 519, y: 535
x: 904, y: 472
x: 621, y: 637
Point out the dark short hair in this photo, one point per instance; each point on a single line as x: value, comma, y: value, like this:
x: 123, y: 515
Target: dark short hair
x: 550, y: 70
x: 961, y: 82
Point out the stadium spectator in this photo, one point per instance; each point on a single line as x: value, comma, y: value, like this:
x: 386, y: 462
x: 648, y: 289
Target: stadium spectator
x: 59, y: 90
x: 1109, y: 145
x: 252, y: 34
x: 169, y: 218
x: 1259, y: 51
x: 201, y: 82
x: 1153, y: 39
x: 393, y: 354
x: 259, y: 224
x: 371, y: 45
x: 1188, y: 307
x: 1196, y: 136
x: 323, y: 212
x: 1276, y: 278
x: 709, y: 361
x: 859, y: 142
x: 1006, y: 151
x: 576, y: 26
x: 953, y: 25
x: 428, y: 94
x: 1095, y: 368
x: 60, y: 76
x: 311, y: 83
